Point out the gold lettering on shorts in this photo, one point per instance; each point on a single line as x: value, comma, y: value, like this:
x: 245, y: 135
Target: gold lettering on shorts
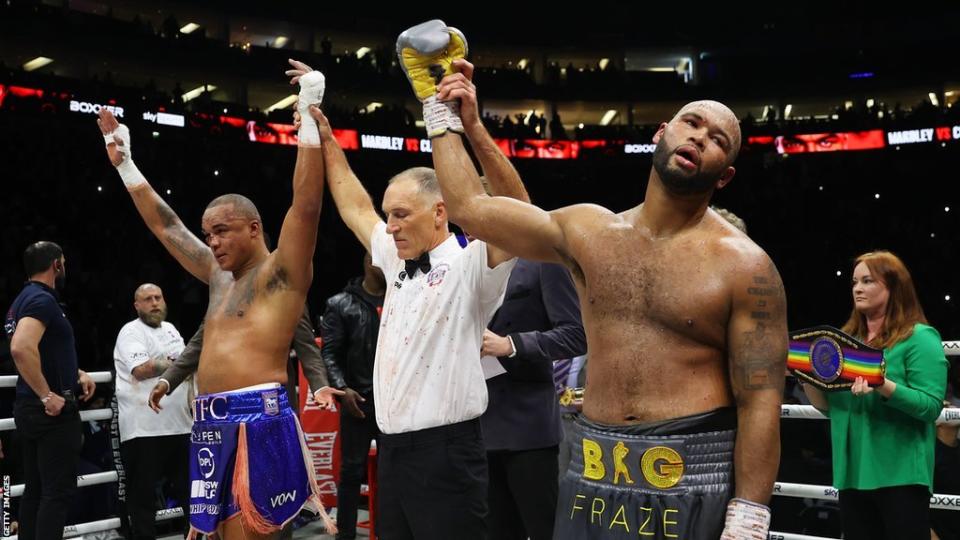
x: 598, y: 513
x: 670, y: 468
x: 593, y: 468
x: 643, y: 528
x: 620, y: 452
x: 620, y: 518
x: 575, y: 507
x: 668, y: 522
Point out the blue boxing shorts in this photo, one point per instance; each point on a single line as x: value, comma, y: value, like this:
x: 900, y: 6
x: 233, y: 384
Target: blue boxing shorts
x: 665, y: 480
x: 248, y: 458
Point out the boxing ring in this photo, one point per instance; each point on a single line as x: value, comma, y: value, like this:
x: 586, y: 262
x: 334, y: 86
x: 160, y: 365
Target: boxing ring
x: 950, y: 416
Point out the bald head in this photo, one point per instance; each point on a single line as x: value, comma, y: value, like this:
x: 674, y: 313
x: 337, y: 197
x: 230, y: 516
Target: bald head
x: 719, y: 114
x: 145, y: 290
x: 242, y: 207
x: 150, y: 305
x: 425, y: 178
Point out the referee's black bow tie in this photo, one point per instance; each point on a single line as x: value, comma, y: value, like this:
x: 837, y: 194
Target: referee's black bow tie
x: 421, y: 263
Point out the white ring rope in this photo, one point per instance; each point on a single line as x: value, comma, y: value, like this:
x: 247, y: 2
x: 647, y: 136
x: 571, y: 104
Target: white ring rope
x: 8, y: 424
x: 71, y: 531
x: 949, y: 416
x: 829, y: 493
x: 9, y: 381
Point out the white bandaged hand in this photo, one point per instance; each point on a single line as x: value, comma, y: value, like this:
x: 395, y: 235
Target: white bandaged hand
x: 129, y: 173
x: 312, y: 85
x: 746, y: 520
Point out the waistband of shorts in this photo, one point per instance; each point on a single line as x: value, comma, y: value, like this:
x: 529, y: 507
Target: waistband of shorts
x: 720, y: 419
x: 662, y: 462
x: 431, y: 435
x: 242, y: 405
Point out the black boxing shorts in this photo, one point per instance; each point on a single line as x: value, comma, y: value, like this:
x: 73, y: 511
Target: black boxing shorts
x: 658, y: 481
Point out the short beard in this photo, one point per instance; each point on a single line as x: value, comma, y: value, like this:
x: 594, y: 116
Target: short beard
x: 152, y: 320
x: 676, y: 181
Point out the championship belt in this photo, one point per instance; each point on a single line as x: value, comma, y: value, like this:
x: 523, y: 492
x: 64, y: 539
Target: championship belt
x: 831, y: 360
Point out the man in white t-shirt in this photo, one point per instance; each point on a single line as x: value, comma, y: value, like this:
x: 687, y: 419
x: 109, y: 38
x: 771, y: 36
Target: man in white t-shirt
x: 152, y: 446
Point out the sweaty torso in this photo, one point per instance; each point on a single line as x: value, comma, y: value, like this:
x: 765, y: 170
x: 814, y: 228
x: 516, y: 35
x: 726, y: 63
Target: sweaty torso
x: 655, y: 311
x: 249, y: 326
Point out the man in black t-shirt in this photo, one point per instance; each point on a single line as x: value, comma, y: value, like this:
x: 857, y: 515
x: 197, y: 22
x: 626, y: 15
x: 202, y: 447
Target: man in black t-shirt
x: 48, y: 420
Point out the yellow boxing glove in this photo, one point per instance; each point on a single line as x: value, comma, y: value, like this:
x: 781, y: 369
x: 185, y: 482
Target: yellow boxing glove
x: 426, y: 52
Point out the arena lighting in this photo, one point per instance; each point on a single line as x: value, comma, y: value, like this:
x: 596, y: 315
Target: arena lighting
x: 280, y: 41
x: 37, y: 63
x: 933, y: 99
x: 608, y: 117
x: 189, y: 27
x: 870, y: 102
x: 283, y: 103
x: 603, y: 63
x: 372, y: 106
x: 362, y: 51
x: 522, y: 64
x: 197, y: 91
x: 662, y: 69
x: 787, y: 110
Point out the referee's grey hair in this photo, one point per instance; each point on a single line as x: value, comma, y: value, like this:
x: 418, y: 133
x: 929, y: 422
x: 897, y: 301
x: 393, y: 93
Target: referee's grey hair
x: 426, y: 179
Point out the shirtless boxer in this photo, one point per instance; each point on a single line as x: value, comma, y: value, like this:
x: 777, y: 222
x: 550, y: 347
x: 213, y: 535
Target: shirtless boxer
x: 685, y: 319
x: 247, y: 456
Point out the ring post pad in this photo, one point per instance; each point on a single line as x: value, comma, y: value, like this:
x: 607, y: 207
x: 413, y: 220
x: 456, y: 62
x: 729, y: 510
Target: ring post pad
x: 831, y: 360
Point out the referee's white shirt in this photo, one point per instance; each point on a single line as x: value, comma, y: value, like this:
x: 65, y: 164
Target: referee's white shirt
x: 427, y: 371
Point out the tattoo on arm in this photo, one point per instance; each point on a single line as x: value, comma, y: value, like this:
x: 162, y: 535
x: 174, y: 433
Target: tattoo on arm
x: 757, y: 364
x: 152, y: 368
x: 177, y: 235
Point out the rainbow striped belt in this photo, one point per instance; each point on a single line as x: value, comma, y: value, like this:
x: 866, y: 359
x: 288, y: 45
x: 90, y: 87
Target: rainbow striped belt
x: 829, y: 359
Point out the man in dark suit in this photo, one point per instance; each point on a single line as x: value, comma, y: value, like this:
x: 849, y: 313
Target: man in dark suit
x: 539, y: 322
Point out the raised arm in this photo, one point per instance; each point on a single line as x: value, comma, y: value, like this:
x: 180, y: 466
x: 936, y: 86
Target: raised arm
x: 511, y: 225
x: 514, y: 226
x: 353, y: 202
x: 163, y: 222
x: 502, y: 178
x: 298, y: 235
x: 756, y: 352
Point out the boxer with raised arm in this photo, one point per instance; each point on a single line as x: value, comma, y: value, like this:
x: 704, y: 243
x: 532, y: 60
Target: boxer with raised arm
x: 247, y: 450
x: 685, y: 319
